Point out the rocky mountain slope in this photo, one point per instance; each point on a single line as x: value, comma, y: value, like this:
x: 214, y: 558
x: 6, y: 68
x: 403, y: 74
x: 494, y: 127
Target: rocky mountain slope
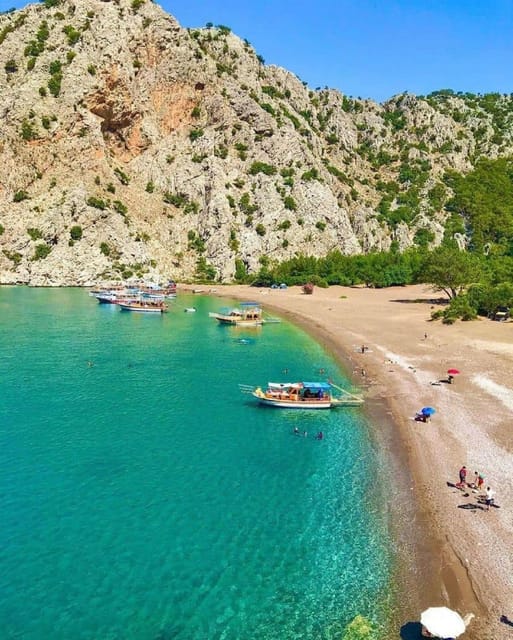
x: 132, y: 146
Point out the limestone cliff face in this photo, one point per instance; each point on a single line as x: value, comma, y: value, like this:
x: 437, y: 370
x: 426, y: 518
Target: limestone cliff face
x: 132, y: 146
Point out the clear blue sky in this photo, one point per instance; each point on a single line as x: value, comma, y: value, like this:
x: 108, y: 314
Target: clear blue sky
x: 370, y: 48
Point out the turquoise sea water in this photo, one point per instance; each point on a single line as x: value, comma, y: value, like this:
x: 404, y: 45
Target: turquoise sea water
x: 143, y: 497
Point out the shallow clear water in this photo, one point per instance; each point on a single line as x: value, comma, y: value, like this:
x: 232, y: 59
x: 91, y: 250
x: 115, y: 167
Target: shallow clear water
x: 144, y: 497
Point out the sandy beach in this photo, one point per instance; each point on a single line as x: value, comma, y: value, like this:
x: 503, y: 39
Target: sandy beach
x: 462, y: 553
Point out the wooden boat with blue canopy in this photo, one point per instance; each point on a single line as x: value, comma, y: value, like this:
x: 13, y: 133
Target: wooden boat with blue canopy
x: 303, y: 395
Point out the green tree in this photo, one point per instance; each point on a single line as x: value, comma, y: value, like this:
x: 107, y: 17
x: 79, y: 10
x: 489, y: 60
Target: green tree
x: 262, y: 167
x: 451, y: 271
x: 28, y: 131
x: 54, y: 84
x: 241, y: 271
x: 20, y: 195
x: 205, y: 271
x: 486, y: 298
x: 105, y: 249
x: 34, y: 233
x: 11, y: 66
x: 98, y: 203
x: 41, y: 251
x: 194, y: 134
x: 289, y: 203
x: 72, y: 34
x: 76, y: 232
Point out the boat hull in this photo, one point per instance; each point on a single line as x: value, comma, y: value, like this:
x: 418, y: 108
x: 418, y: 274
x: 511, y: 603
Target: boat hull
x: 285, y: 402
x: 141, y: 309
x: 108, y: 299
x: 290, y: 404
x: 236, y: 321
x: 292, y: 396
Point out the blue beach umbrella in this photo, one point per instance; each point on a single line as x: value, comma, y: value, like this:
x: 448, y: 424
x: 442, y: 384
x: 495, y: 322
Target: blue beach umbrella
x: 428, y: 411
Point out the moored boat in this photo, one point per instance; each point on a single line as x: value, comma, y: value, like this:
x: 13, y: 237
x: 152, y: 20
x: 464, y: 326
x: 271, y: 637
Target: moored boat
x: 116, y: 293
x: 107, y: 297
x: 167, y: 290
x: 113, y: 296
x: 143, y: 306
x: 303, y: 395
x: 247, y: 314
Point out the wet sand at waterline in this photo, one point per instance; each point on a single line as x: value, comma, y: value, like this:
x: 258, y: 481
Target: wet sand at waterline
x: 463, y: 554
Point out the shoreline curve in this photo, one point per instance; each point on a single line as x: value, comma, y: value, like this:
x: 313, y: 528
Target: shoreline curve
x: 448, y: 548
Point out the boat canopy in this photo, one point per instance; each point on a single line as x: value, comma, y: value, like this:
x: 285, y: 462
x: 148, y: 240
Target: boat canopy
x: 249, y: 304
x: 323, y: 386
x: 317, y: 385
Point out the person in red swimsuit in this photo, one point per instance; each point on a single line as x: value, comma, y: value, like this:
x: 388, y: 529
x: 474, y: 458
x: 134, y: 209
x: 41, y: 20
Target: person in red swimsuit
x: 463, y: 477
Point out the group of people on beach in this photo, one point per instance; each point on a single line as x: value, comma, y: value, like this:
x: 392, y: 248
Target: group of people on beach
x: 476, y: 485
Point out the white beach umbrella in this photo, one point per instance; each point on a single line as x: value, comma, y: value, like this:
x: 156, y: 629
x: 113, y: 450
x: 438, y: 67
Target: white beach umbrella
x: 442, y: 622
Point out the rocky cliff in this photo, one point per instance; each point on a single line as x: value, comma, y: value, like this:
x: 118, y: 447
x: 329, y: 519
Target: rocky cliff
x: 132, y: 146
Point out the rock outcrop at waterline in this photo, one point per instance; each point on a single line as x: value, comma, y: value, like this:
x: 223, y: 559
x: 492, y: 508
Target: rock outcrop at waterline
x: 132, y: 146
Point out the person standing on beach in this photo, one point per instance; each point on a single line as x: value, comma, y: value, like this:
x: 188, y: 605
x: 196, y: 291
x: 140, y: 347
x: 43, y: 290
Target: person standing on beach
x: 463, y: 477
x: 478, y: 480
x: 490, y: 493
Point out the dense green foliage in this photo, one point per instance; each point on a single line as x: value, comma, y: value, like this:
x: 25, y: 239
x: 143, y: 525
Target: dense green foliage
x: 376, y: 270
x: 97, y: 203
x: 472, y: 283
x: 484, y: 200
x: 262, y: 167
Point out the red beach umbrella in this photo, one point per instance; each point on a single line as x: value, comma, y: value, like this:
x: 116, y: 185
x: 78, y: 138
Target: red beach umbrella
x: 453, y: 372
